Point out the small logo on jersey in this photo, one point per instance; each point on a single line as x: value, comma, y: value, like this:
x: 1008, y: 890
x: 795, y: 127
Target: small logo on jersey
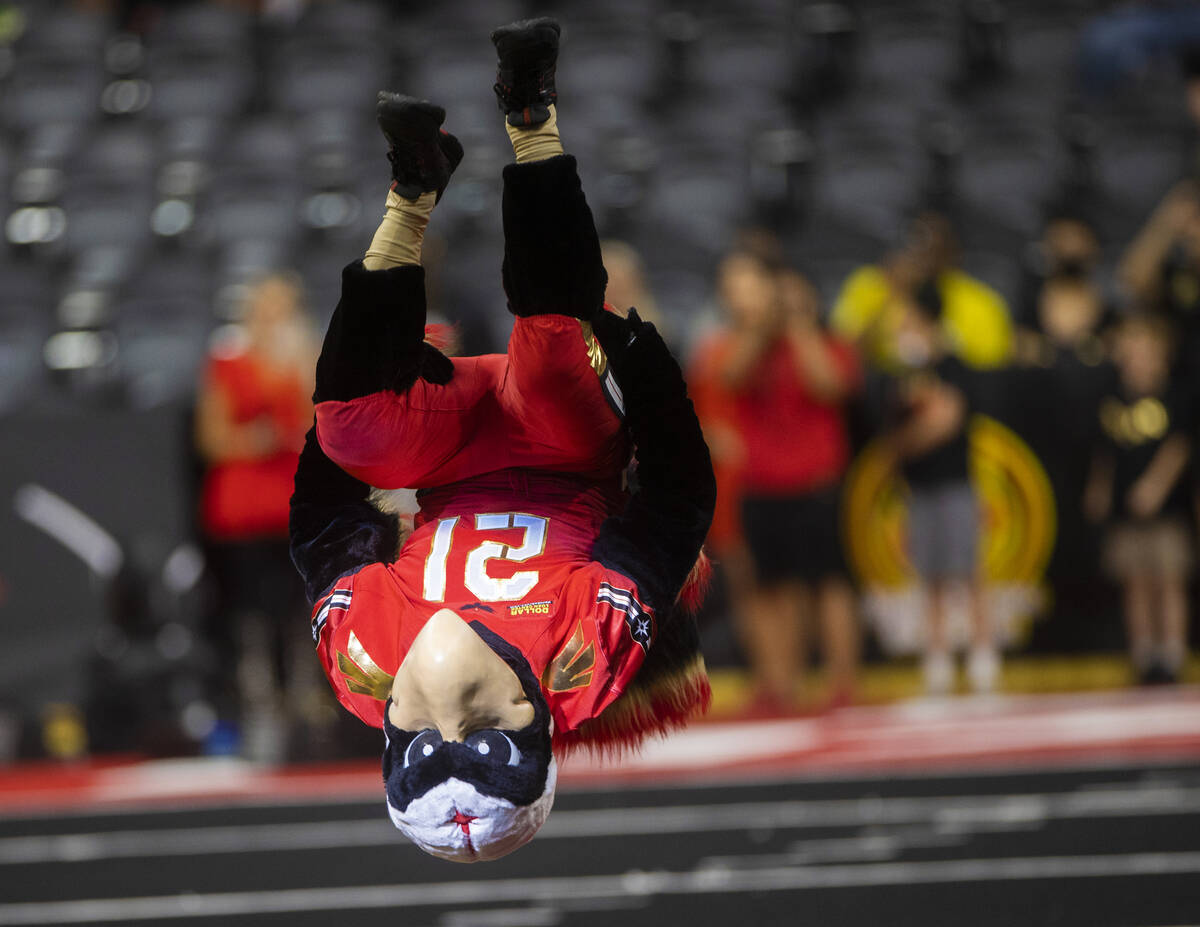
x: 572, y: 668
x: 638, y: 619
x: 531, y: 608
x: 639, y: 630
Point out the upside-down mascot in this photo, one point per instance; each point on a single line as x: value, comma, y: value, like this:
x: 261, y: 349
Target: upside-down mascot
x: 535, y: 607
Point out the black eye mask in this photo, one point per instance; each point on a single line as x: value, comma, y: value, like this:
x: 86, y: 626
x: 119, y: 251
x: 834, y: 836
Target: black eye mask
x: 521, y: 783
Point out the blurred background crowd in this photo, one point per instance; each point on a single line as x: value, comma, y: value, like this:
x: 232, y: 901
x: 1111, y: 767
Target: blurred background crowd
x: 933, y: 267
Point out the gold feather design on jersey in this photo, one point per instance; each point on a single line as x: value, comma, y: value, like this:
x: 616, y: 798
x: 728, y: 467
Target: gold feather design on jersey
x: 572, y: 668
x: 363, y: 675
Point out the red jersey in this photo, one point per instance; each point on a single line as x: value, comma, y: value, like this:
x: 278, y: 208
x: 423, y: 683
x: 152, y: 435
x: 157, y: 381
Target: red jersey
x: 248, y: 498
x: 513, y: 551
x: 716, y: 407
x: 794, y: 441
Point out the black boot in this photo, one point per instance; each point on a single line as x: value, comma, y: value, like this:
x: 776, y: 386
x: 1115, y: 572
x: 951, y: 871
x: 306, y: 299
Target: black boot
x: 423, y: 155
x: 528, y: 52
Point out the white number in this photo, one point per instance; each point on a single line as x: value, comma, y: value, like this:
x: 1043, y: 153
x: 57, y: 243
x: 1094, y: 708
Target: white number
x: 435, y: 563
x: 487, y: 588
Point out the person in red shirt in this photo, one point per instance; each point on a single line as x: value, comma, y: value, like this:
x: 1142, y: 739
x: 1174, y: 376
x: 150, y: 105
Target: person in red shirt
x: 253, y: 406
x: 790, y: 381
x: 252, y: 410
x: 533, y: 608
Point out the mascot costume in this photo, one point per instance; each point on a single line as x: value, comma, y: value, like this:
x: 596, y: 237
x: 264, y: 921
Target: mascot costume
x: 536, y: 606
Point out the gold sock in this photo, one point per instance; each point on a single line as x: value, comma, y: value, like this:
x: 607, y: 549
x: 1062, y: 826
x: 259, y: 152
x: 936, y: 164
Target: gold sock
x: 538, y: 143
x: 399, y: 236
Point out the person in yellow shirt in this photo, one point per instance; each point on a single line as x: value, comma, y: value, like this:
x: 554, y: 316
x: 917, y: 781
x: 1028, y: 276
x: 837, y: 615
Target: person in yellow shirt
x: 870, y: 307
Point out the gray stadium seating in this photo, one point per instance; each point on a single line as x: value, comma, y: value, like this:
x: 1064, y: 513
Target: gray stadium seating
x: 257, y: 142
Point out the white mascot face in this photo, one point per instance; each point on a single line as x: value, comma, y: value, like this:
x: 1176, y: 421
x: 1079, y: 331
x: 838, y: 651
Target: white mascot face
x: 455, y: 821
x: 468, y: 770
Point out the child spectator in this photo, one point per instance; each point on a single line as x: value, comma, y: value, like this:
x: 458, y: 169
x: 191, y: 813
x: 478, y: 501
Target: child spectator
x: 1065, y: 372
x: 1136, y: 483
x: 1069, y: 247
x: 932, y: 406
x: 790, y: 381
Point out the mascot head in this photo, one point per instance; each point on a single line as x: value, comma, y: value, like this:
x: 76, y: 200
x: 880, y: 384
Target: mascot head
x: 468, y: 770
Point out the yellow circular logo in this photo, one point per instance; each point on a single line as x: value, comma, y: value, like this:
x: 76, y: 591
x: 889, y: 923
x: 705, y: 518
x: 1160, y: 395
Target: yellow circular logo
x: 1016, y: 537
x: 1019, y: 520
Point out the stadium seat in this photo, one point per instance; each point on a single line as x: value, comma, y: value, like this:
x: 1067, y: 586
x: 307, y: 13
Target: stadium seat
x: 451, y: 71
x: 247, y: 208
x: 110, y: 213
x: 191, y: 138
x: 217, y: 27
x: 1043, y: 47
x: 65, y: 28
x: 321, y: 73
x: 268, y: 144
x: 693, y: 206
x: 911, y: 52
x: 21, y: 372
x: 1134, y: 166
x: 868, y: 173
x: 159, y: 359
x: 1006, y: 176
x: 104, y: 266
x: 612, y: 63
x: 120, y: 151
x: 466, y: 18
x: 24, y: 324
x: 198, y: 81
x: 347, y: 20
x: 740, y: 59
x: 52, y: 86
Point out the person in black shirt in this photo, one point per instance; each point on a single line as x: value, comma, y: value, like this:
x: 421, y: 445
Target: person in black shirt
x: 932, y: 405
x: 1161, y: 269
x: 1136, y: 483
x: 1053, y: 397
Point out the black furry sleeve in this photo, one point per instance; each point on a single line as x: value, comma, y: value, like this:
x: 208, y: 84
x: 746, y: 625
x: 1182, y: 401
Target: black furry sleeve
x: 376, y: 338
x: 552, y: 260
x: 375, y: 342
x: 656, y: 540
x: 333, y: 529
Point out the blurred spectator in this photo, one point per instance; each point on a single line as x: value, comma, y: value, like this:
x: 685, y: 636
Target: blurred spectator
x: 742, y: 283
x: 1161, y: 269
x: 1136, y: 483
x: 627, y: 282
x: 871, y: 305
x: 1064, y: 372
x: 253, y: 408
x: 1068, y: 247
x: 932, y: 405
x: 790, y: 381
x: 1067, y: 315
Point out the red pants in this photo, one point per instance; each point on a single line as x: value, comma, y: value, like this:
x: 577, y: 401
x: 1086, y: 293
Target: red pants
x: 547, y: 404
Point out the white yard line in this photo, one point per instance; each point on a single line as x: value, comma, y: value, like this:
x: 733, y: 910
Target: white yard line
x: 949, y: 814
x: 549, y: 890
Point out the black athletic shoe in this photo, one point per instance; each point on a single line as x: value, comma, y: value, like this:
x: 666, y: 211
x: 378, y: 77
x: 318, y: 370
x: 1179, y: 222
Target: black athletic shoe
x: 528, y: 52
x: 423, y: 155
x: 1157, y: 674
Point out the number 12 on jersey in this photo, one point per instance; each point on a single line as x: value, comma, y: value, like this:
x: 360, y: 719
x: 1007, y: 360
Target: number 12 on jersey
x: 484, y: 587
